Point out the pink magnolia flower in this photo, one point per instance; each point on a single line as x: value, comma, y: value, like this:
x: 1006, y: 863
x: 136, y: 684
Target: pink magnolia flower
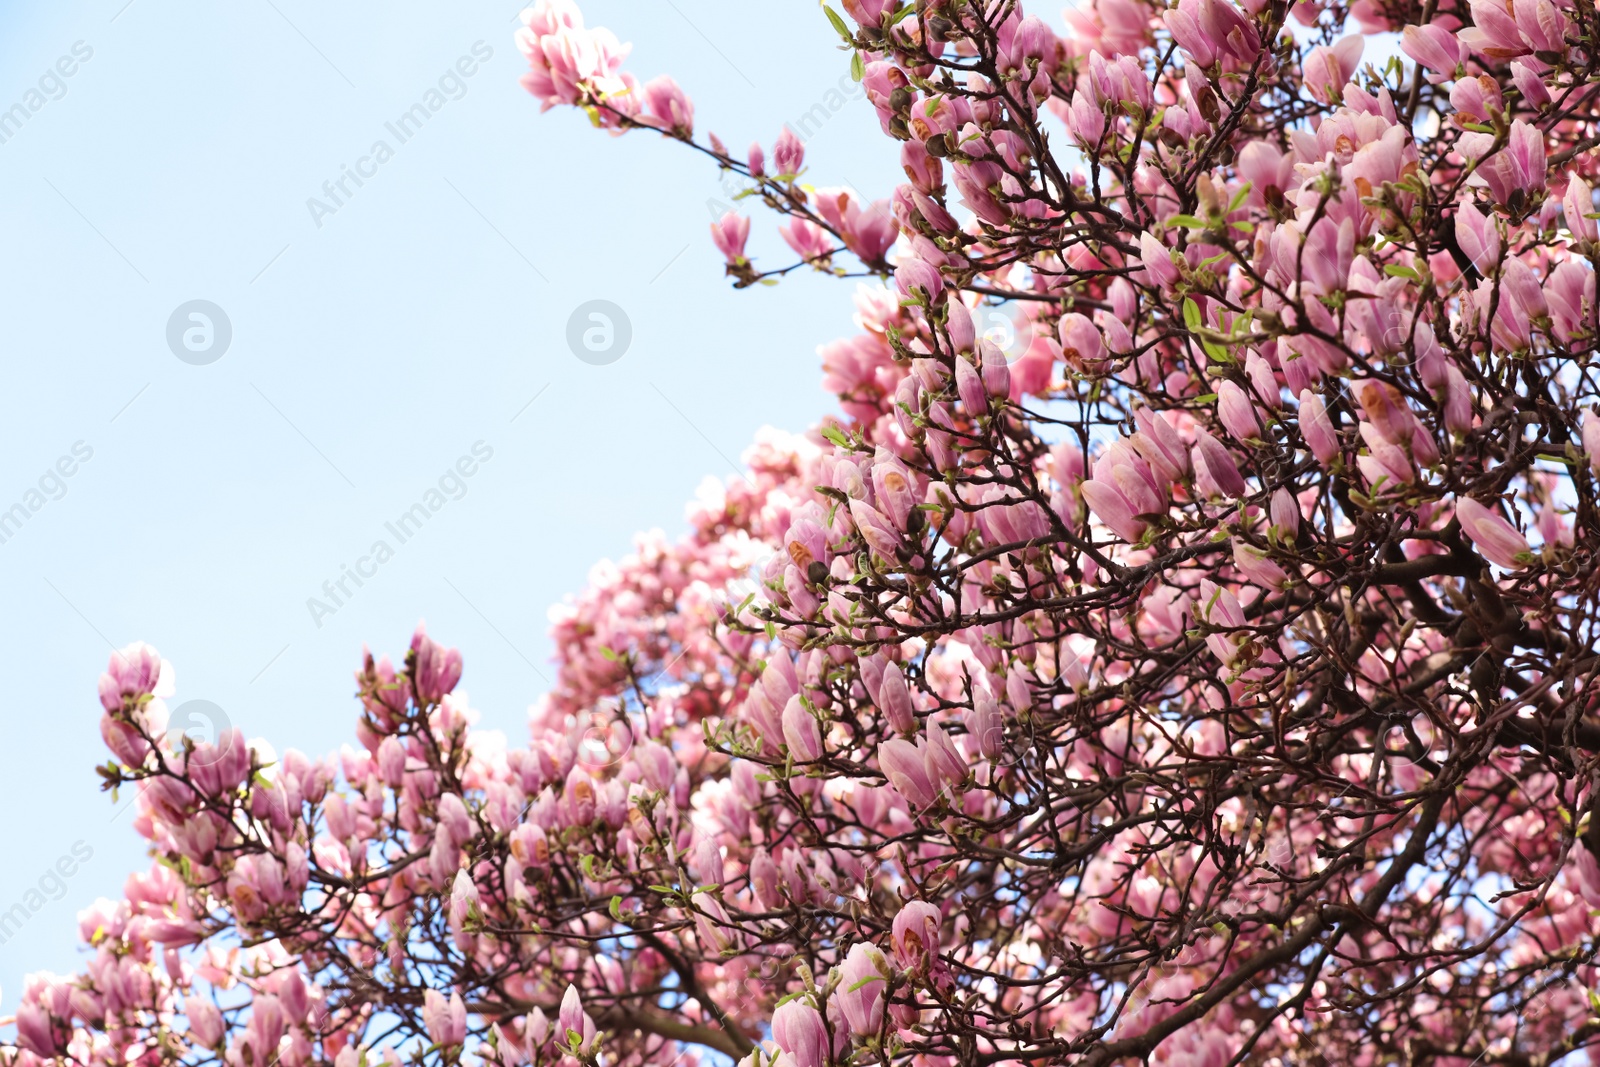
x: 1495, y: 538
x: 729, y: 235
x: 916, y: 935
x: 1081, y: 342
x: 1578, y: 206
x: 906, y: 767
x: 801, y: 732
x: 1210, y: 30
x: 862, y: 984
x: 894, y: 700
x: 1238, y: 415
x: 798, y: 1029
x: 765, y: 881
x: 1221, y: 610
x: 1516, y: 172
x: 918, y: 280
x: 1435, y: 47
x: 206, y: 1025
x: 668, y: 107
x: 1591, y: 438
x: 1317, y: 428
x: 574, y: 1028
x: 1475, y: 99
x: 985, y: 724
x: 1114, y: 509
x: 446, y: 1019
x: 1254, y: 565
x: 809, y: 241
x: 1157, y: 261
x: 1216, y: 472
x: 789, y: 154
x: 1478, y: 237
x: 435, y: 669
x: 464, y: 900
x: 1326, y: 69
x: 1285, y: 512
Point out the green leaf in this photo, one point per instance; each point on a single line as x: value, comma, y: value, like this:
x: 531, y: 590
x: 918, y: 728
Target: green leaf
x: 1216, y: 352
x: 866, y: 982
x: 902, y: 13
x: 832, y: 433
x: 1239, y: 197
x: 608, y: 655
x: 1218, y: 258
x: 1396, y: 270
x: 1191, y: 313
x: 1186, y: 221
x: 838, y: 23
x: 1207, y: 398
x: 1552, y: 459
x: 858, y: 69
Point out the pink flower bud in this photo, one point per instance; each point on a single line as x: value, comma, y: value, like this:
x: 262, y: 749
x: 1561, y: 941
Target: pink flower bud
x: 916, y: 935
x: 1216, y: 472
x: 1591, y: 438
x: 1238, y: 415
x: 1113, y: 509
x: 1475, y: 99
x: 894, y: 700
x: 1578, y: 206
x: 1081, y: 342
x: 1495, y: 538
x: 1530, y: 84
x: 1516, y: 172
x: 1477, y: 237
x: 206, y: 1026
x: 1588, y: 874
x: 862, y: 984
x: 798, y: 1029
x: 1262, y: 381
x: 996, y: 372
x: 446, y: 1020
x: 1160, y: 271
x: 1434, y: 47
x: 969, y: 386
x: 1254, y: 565
x: 463, y: 899
x: 573, y: 1023
x: 454, y: 819
x: 668, y: 107
x: 1325, y: 70
x: 729, y: 234
x: 1285, y: 513
x: 765, y: 881
x: 435, y: 670
x: 788, y: 154
x: 1317, y: 428
x: 756, y: 159
x: 906, y: 767
x: 801, y: 732
x: 1386, y: 408
x: 130, y: 674
x: 944, y: 759
x: 985, y: 724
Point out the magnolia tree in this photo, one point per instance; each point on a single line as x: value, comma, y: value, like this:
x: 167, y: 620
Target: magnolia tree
x: 1201, y: 671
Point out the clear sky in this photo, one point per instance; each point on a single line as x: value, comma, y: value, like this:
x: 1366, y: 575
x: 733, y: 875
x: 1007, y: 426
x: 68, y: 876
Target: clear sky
x: 198, y: 502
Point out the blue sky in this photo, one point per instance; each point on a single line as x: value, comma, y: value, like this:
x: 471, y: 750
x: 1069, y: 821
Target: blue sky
x: 373, y: 349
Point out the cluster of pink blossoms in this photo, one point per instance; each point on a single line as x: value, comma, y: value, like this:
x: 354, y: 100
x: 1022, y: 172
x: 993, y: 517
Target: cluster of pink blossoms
x: 1198, y: 668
